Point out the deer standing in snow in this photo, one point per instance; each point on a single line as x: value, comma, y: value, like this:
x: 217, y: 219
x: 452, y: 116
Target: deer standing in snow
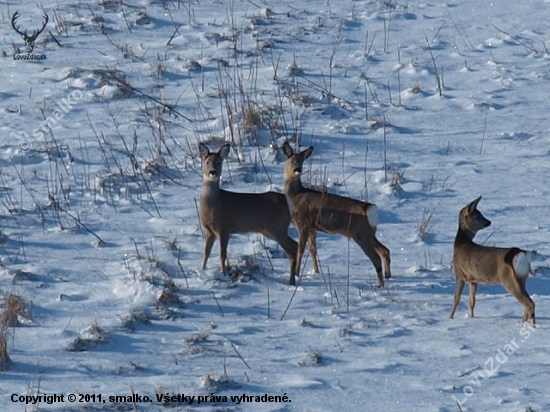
x: 224, y: 213
x: 475, y: 263
x: 313, y: 211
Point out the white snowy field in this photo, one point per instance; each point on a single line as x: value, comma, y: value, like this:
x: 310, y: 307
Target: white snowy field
x: 419, y: 107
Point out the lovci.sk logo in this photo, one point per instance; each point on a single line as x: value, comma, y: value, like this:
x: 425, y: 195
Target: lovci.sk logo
x: 29, y: 40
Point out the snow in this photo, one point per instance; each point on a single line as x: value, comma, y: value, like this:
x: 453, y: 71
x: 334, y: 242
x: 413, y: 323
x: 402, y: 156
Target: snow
x: 418, y: 107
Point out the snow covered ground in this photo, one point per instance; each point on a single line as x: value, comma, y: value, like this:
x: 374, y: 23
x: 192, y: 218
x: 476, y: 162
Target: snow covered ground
x: 418, y: 107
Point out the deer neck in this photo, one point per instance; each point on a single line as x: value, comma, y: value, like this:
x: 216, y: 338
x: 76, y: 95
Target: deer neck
x: 210, y: 189
x: 293, y: 186
x: 464, y: 236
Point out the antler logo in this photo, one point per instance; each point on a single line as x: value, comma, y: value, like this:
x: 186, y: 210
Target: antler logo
x: 29, y: 40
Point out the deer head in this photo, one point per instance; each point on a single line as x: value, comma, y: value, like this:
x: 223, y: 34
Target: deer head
x: 29, y: 40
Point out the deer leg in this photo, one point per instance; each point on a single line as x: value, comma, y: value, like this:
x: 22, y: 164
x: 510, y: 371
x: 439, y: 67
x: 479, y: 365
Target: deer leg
x: 472, y: 301
x: 458, y: 292
x: 367, y: 246
x: 304, y: 235
x: 210, y: 239
x: 528, y: 314
x: 517, y: 289
x: 384, y: 254
x: 312, y: 239
x: 290, y: 247
x: 224, y: 241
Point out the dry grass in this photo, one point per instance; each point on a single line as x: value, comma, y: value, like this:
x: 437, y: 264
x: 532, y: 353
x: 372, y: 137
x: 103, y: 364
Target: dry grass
x: 87, y: 338
x: 426, y: 224
x: 315, y: 358
x: 5, y: 360
x: 396, y: 180
x: 14, y: 309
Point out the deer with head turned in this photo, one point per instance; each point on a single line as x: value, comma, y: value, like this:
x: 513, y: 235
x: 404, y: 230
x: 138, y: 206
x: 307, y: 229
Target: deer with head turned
x: 224, y: 213
x: 475, y: 263
x: 313, y: 211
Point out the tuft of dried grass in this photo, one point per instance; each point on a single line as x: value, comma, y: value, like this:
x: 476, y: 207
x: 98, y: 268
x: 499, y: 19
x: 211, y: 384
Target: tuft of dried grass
x: 88, y: 337
x: 426, y: 224
x: 13, y: 306
x: 5, y: 360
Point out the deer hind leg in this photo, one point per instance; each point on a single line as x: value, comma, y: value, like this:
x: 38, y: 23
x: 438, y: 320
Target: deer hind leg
x: 368, y: 247
x: 210, y: 239
x: 290, y: 247
x: 472, y: 300
x: 384, y: 254
x: 529, y: 311
x: 516, y: 286
x: 458, y: 292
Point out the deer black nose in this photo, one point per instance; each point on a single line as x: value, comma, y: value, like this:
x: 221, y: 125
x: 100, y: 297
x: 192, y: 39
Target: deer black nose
x: 298, y: 171
x: 213, y: 173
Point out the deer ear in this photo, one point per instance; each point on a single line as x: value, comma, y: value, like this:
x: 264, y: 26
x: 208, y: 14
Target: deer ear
x: 287, y: 150
x: 306, y: 153
x: 224, y: 151
x: 473, y: 205
x: 203, y: 150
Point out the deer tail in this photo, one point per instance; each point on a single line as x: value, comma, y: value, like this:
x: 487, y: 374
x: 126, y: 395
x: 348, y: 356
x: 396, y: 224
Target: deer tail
x: 372, y: 215
x: 520, y: 261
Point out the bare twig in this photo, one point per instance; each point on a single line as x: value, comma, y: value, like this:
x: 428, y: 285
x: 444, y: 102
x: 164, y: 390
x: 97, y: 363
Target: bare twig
x: 436, y: 74
x: 239, y: 355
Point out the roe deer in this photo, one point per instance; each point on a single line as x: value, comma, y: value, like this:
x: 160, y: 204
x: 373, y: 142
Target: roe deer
x: 475, y: 264
x: 314, y: 211
x: 223, y: 213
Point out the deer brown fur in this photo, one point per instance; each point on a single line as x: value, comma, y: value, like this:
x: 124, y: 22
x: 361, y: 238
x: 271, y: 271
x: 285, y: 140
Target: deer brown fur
x: 476, y: 264
x: 314, y: 211
x: 224, y: 213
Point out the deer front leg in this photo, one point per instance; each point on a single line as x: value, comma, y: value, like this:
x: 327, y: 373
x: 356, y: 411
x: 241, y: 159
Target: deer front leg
x: 224, y: 241
x: 210, y: 239
x: 458, y: 292
x: 304, y: 235
x: 472, y: 301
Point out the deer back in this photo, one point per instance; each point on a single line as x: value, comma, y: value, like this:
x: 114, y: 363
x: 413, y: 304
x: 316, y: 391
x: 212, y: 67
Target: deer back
x: 333, y: 213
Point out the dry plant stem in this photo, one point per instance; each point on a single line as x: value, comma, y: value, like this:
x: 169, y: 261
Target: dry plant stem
x: 436, y: 72
x: 239, y: 355
x: 385, y: 152
x: 399, y: 77
x: 182, y: 270
x: 483, y: 135
x: 218, y: 304
x: 528, y: 47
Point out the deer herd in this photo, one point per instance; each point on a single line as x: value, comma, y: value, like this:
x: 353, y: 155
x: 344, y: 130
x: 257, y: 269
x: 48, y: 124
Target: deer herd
x: 223, y: 213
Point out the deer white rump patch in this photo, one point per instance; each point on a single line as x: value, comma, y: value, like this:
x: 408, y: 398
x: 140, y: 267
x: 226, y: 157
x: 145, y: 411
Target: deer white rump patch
x: 522, y: 263
x: 372, y: 216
